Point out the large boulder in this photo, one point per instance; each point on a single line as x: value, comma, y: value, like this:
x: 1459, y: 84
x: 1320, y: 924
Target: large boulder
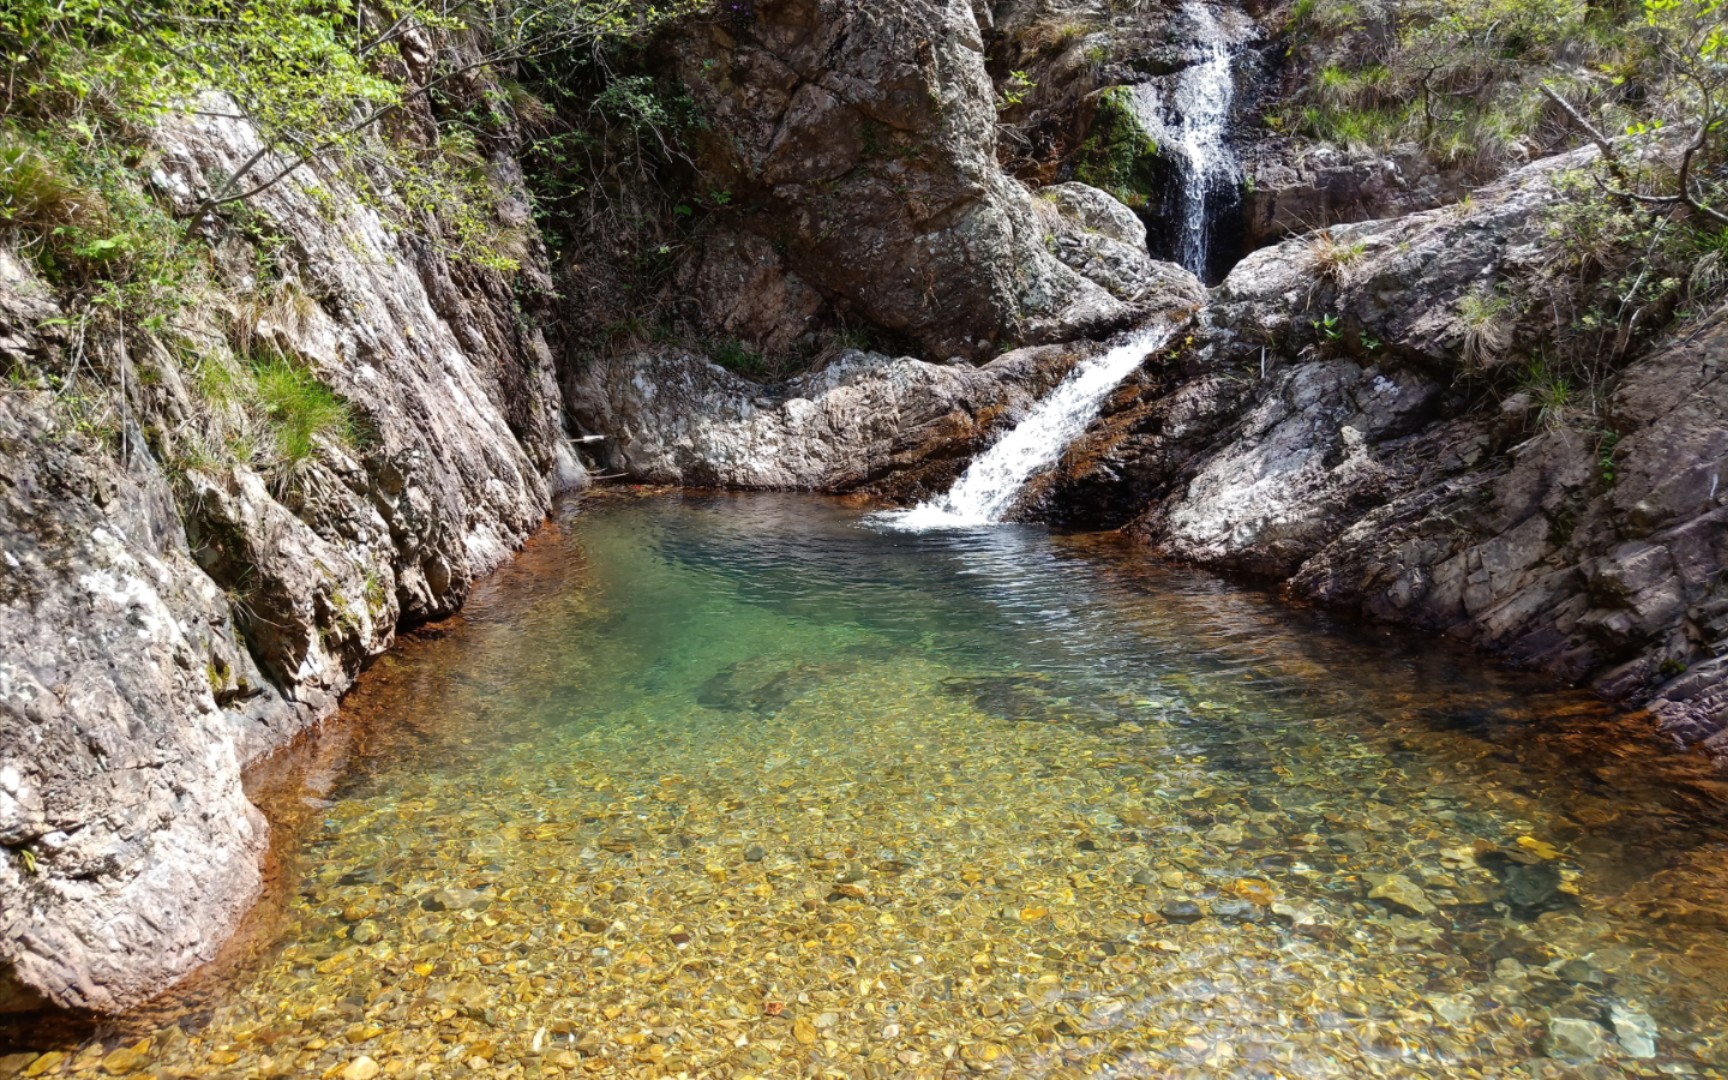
x: 861, y: 143
x: 673, y: 417
x: 1318, y: 432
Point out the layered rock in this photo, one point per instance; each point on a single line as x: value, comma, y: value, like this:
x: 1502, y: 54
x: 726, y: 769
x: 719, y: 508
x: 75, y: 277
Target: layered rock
x: 860, y: 143
x: 1318, y: 433
x: 899, y: 427
x: 156, y: 635
x: 676, y: 418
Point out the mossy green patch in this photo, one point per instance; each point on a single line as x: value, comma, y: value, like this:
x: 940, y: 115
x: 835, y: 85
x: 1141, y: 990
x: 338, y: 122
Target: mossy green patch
x: 1119, y: 155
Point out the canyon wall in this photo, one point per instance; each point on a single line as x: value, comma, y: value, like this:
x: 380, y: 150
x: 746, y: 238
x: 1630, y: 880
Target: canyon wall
x: 166, y: 618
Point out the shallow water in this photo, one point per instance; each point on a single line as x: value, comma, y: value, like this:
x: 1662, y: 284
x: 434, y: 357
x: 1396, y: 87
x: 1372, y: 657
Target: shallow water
x: 734, y: 786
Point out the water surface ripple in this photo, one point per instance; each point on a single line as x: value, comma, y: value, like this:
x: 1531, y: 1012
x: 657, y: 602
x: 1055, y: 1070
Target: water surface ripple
x: 735, y: 786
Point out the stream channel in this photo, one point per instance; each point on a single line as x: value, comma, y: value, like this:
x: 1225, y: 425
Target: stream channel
x: 742, y: 786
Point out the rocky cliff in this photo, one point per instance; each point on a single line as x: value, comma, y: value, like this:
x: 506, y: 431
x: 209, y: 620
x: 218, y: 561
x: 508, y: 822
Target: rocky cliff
x: 1323, y: 430
x: 857, y: 146
x: 173, y: 606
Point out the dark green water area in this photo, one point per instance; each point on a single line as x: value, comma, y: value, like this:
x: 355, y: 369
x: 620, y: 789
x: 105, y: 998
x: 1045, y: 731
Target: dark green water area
x: 736, y: 786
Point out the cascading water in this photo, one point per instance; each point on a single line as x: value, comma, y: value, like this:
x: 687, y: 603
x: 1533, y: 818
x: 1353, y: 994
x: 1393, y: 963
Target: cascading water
x: 1193, y: 124
x: 988, y: 488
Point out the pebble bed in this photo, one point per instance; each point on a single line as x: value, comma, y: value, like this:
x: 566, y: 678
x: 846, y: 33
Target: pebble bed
x: 734, y: 787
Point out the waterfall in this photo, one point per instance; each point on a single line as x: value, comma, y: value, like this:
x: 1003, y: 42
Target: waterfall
x: 1193, y: 123
x: 990, y: 484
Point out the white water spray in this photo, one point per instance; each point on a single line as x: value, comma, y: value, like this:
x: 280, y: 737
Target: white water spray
x: 990, y: 484
x: 1194, y: 123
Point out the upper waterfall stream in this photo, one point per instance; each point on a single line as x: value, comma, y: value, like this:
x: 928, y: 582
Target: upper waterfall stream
x: 1194, y: 123
x: 990, y: 484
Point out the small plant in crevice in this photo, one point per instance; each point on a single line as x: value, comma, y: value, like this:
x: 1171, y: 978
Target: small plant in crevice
x: 740, y: 358
x: 1487, y: 328
x: 1333, y: 258
x: 1607, y: 442
x: 1015, y: 90
x: 1552, y: 392
x: 1329, y: 328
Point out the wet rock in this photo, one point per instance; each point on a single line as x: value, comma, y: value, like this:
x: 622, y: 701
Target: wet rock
x: 126, y: 1060
x: 1575, y: 1040
x: 1182, y: 911
x: 674, y: 417
x: 1227, y: 834
x: 1237, y: 911
x: 755, y: 853
x: 1400, y: 892
x: 361, y: 1068
x: 1635, y: 1030
x: 1582, y: 972
x: 1532, y: 888
x: 1457, y: 1009
x: 453, y: 898
x: 1477, y: 893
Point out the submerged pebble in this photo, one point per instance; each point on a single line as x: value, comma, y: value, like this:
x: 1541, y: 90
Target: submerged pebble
x: 721, y: 795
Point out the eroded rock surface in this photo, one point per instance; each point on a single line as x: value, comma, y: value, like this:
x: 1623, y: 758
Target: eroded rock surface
x: 1319, y: 433
x: 676, y: 418
x: 861, y: 144
x: 155, y: 636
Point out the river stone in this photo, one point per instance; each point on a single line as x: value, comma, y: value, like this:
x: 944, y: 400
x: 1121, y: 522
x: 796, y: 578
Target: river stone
x: 1575, y: 1040
x: 755, y: 853
x: 1237, y: 911
x: 1635, y: 1030
x: 1400, y: 892
x: 361, y: 1068
x: 1182, y: 911
x: 1532, y: 887
x: 1456, y: 1009
x: 1582, y: 972
x: 1227, y: 833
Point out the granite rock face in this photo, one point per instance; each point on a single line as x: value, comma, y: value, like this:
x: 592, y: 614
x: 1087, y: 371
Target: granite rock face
x: 860, y: 143
x: 676, y: 418
x: 157, y: 635
x: 1295, y: 188
x: 1343, y: 459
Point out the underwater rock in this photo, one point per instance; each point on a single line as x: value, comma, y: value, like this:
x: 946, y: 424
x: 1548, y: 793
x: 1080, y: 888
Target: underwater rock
x: 1532, y: 887
x: 1572, y: 1039
x: 1400, y: 892
x: 1634, y: 1028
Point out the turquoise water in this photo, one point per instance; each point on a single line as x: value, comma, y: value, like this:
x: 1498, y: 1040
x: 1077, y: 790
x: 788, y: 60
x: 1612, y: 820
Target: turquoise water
x: 736, y: 786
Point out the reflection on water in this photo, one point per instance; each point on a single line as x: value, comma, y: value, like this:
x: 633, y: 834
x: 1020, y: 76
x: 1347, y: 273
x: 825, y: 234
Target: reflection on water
x: 734, y: 786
